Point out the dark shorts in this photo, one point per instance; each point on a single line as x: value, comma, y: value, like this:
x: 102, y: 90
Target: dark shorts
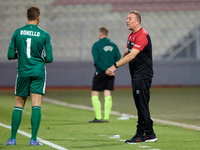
x: 26, y: 85
x: 102, y: 82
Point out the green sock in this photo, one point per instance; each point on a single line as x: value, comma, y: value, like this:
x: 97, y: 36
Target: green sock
x: 16, y: 120
x: 35, y: 121
x: 97, y: 106
x: 107, y: 107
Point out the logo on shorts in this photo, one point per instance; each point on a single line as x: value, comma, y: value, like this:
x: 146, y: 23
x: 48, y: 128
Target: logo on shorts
x: 137, y: 92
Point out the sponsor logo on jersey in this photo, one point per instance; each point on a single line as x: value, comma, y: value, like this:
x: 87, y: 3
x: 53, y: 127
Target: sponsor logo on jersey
x: 137, y: 45
x: 30, y: 33
x: 108, y: 48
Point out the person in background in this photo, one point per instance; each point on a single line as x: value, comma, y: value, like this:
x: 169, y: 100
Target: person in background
x: 104, y: 53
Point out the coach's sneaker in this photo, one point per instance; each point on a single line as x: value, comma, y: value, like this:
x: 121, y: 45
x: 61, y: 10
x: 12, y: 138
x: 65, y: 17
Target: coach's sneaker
x: 96, y: 121
x: 150, y: 138
x: 34, y: 143
x: 11, y: 142
x: 137, y: 138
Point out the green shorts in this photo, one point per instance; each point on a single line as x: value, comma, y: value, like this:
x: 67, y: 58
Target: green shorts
x: 26, y: 85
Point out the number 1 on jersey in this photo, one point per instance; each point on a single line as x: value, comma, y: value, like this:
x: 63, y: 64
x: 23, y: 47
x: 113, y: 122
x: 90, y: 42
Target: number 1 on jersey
x: 28, y: 47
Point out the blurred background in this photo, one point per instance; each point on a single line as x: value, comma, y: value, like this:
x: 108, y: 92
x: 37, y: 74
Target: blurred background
x: 173, y: 25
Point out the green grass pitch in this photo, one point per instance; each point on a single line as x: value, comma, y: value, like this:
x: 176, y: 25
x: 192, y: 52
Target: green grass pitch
x: 69, y: 127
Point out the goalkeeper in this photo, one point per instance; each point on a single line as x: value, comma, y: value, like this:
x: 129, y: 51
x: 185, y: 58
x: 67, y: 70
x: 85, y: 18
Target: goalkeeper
x: 27, y: 45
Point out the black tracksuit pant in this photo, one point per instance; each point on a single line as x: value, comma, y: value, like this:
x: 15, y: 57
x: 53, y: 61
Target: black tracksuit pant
x: 141, y: 94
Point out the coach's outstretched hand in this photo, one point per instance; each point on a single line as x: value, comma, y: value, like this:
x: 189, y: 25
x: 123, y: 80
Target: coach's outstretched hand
x: 111, y: 71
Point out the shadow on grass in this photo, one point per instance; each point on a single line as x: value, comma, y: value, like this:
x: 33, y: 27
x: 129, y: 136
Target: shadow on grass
x: 73, y: 123
x: 105, y: 143
x: 70, y: 122
x: 96, y: 146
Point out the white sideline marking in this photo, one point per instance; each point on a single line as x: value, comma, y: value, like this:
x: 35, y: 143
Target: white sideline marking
x: 41, y: 140
x: 133, y: 143
x: 28, y: 113
x: 144, y: 146
x: 188, y: 126
x: 122, y: 140
x: 193, y: 127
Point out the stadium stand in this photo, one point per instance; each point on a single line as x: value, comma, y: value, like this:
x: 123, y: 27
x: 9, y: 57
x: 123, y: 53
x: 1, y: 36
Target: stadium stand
x: 141, y: 5
x: 73, y: 24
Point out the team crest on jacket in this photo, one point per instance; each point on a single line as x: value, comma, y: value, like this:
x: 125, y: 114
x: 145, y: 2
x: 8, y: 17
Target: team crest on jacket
x: 108, y: 48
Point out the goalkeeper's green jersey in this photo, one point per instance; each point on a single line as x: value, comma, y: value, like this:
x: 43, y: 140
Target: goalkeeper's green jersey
x: 105, y: 53
x: 29, y: 44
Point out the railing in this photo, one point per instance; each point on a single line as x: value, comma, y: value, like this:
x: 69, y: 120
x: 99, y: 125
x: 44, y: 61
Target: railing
x: 187, y: 48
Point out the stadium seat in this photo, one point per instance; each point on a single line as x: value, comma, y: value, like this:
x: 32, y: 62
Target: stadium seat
x: 70, y: 23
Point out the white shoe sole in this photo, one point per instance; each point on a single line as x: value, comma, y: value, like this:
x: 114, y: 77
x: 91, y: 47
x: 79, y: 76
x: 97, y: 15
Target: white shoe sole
x: 151, y: 140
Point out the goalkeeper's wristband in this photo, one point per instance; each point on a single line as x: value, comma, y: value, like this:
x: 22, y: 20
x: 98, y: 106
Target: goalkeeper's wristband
x: 115, y: 65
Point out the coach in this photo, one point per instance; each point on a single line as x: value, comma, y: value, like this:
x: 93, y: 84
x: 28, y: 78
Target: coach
x: 138, y: 54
